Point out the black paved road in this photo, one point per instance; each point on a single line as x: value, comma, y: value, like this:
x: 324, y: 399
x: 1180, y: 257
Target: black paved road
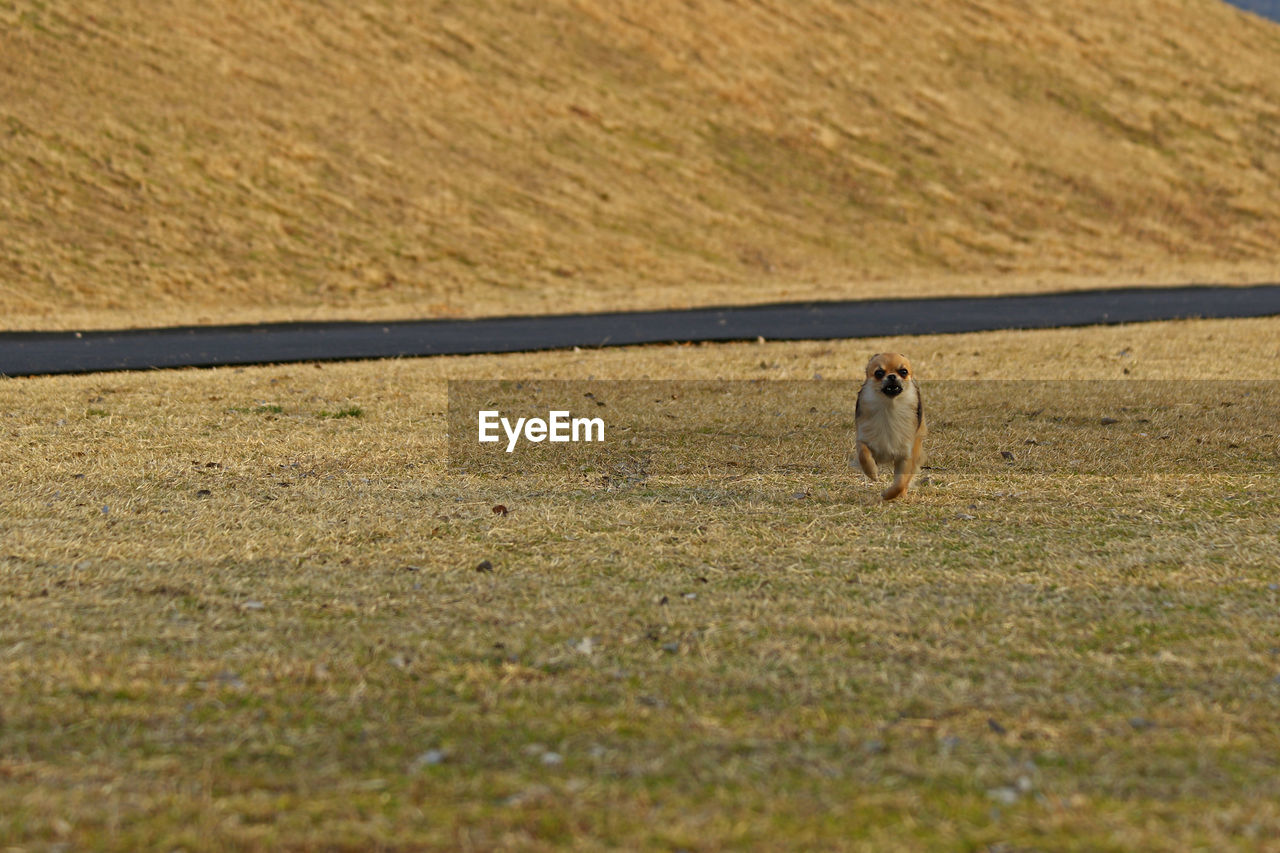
x: 35, y: 353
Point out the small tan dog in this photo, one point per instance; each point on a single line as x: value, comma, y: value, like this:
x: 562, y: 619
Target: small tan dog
x: 890, y: 419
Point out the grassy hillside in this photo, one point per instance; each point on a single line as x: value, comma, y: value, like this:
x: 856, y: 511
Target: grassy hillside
x: 192, y: 161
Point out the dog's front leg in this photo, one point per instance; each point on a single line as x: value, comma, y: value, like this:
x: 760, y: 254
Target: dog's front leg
x: 903, y: 471
x: 867, y: 462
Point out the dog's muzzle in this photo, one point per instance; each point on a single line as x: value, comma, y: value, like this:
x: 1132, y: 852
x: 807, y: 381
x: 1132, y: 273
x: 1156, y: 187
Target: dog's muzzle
x: 891, y: 388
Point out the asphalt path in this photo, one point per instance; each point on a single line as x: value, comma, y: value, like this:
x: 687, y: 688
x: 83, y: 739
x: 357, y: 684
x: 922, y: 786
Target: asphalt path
x: 40, y: 353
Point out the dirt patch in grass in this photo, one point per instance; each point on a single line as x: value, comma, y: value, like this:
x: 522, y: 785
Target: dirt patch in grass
x: 198, y: 163
x: 228, y: 620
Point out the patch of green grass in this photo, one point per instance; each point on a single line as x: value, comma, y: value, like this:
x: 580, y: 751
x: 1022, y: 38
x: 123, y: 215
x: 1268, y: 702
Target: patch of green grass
x: 260, y: 409
x: 344, y: 412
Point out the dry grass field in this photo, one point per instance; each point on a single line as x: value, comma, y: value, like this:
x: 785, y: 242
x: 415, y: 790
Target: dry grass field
x: 288, y: 608
x: 254, y: 609
x: 194, y: 162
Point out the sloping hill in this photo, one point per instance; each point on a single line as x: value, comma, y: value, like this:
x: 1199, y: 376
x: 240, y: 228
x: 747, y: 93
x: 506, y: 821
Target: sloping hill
x: 184, y: 160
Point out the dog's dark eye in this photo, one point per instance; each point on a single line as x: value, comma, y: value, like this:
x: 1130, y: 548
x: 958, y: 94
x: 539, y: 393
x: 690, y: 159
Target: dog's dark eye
x: 902, y: 371
x: 880, y: 373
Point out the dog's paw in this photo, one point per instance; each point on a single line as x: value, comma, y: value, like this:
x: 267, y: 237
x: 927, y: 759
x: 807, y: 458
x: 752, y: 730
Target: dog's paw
x: 895, y: 491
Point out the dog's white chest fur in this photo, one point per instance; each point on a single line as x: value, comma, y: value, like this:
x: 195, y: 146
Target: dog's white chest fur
x: 887, y: 425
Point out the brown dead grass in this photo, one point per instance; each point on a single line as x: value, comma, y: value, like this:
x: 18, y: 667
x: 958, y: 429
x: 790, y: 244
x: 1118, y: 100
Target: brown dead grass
x: 188, y: 162
x: 231, y: 619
